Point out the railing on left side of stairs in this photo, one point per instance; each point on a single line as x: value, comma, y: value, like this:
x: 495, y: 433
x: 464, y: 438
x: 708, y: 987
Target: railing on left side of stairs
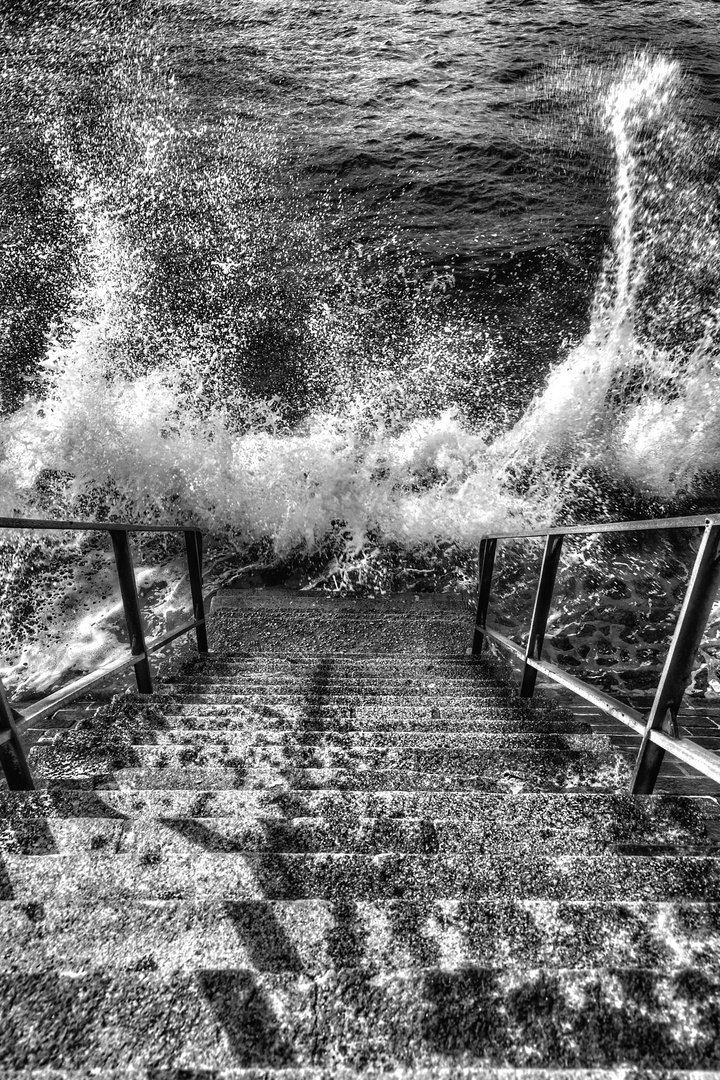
x: 658, y: 730
x: 14, y: 721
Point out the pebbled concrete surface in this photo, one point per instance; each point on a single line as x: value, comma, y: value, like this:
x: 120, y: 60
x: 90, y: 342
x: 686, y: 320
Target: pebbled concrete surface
x: 315, y: 936
x: 363, y: 862
x: 477, y: 1015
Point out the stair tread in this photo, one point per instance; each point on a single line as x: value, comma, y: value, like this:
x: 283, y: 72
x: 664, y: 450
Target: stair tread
x: 311, y: 751
x: 351, y: 876
x: 681, y: 810
x: 562, y: 770
x: 351, y: 833
x: 428, y: 661
x: 368, y: 679
x: 302, y: 734
x: 335, y: 1072
x: 392, y: 727
x: 313, y: 936
x: 376, y: 701
x: 240, y: 696
x: 279, y: 1020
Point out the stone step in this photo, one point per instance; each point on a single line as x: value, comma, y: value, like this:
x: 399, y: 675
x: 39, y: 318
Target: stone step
x: 205, y: 875
x: 470, y: 681
x: 340, y: 680
x: 240, y: 696
x: 317, y: 936
x: 349, y: 834
x: 313, y: 751
x: 617, y: 816
x: 340, y: 612
x: 390, y: 726
x: 336, y: 668
x: 340, y: 1072
x: 295, y: 634
x: 348, y: 664
x: 491, y: 752
x: 295, y: 706
x: 270, y: 599
x: 422, y: 769
x: 504, y: 771
x: 290, y: 711
x: 510, y: 734
x: 227, y: 1018
x: 336, y: 616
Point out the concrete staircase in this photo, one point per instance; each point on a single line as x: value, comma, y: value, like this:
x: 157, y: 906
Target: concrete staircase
x: 348, y: 850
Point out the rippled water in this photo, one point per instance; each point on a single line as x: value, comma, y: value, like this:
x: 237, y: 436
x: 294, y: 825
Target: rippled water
x: 443, y: 107
x: 350, y: 284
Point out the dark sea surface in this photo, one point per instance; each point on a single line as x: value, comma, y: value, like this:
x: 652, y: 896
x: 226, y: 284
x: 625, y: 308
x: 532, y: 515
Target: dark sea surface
x: 440, y: 109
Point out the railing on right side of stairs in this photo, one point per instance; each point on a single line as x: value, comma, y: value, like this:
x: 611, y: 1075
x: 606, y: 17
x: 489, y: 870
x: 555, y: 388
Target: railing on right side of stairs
x: 15, y: 721
x: 659, y: 729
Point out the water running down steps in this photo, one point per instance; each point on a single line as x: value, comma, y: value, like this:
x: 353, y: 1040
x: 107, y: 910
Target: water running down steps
x: 350, y: 849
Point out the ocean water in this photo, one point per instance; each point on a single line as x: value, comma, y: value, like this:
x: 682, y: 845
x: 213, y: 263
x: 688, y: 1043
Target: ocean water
x: 347, y: 285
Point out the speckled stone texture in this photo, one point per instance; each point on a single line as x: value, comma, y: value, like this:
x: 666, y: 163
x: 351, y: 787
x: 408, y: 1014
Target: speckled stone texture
x: 445, y: 1072
x: 349, y: 851
x: 263, y: 623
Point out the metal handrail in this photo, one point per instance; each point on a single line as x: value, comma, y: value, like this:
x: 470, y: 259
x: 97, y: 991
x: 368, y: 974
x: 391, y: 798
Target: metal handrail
x: 659, y: 729
x: 14, y: 720
x: 645, y: 525
x: 89, y: 526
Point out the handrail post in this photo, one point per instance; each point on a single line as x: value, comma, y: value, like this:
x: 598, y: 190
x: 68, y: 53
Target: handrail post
x: 131, y: 605
x: 12, y: 753
x: 194, y: 550
x: 541, y: 610
x: 486, y: 563
x: 677, y: 670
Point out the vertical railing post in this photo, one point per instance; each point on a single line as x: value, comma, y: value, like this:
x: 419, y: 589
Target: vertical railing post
x: 541, y: 610
x: 194, y: 550
x: 128, y: 591
x: 486, y: 562
x: 12, y: 752
x: 677, y: 670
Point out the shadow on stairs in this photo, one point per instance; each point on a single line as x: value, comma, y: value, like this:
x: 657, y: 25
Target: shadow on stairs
x: 341, y: 846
